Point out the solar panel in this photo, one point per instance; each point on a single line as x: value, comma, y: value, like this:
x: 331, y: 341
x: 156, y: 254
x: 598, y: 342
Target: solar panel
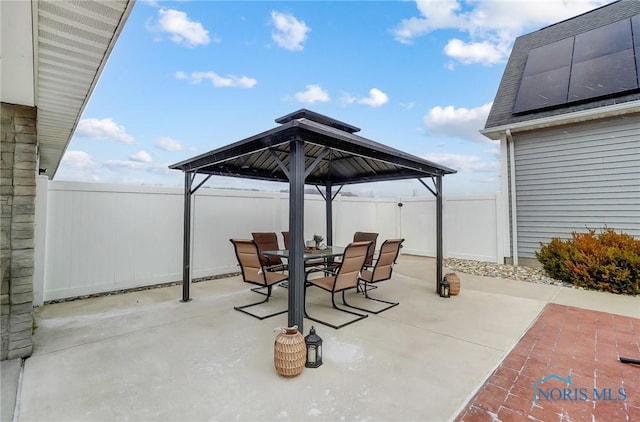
x: 596, y: 63
x: 545, y: 80
x: 603, y: 41
x: 549, y: 57
x: 603, y: 75
x: 543, y: 90
x: 635, y: 29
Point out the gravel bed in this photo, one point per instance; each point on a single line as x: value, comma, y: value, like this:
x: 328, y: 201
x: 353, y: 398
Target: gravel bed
x: 491, y: 269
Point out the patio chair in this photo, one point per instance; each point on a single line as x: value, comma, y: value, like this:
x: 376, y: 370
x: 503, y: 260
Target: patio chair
x: 285, y: 238
x: 367, y: 237
x: 381, y: 271
x: 268, y: 241
x: 344, y: 277
x: 254, y: 272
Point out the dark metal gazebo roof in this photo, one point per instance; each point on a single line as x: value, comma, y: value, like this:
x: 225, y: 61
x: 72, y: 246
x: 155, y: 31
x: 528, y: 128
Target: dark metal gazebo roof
x: 342, y: 157
x: 307, y: 148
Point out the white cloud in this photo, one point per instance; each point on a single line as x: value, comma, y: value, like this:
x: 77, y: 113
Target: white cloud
x: 169, y: 144
x: 103, y: 129
x: 434, y: 15
x: 129, y: 164
x: 119, y: 165
x: 78, y: 160
x: 290, y: 33
x: 141, y: 157
x: 464, y: 163
x: 230, y: 81
x: 463, y: 123
x: 313, y: 94
x: 483, y: 52
x: 348, y: 99
x: 181, y: 29
x: 491, y: 25
x: 376, y: 98
x: 408, y: 106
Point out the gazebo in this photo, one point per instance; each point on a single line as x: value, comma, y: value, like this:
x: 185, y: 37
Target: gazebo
x: 313, y: 149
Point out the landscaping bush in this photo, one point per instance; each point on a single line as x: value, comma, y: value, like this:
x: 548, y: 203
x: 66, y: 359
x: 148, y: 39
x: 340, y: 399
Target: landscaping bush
x: 607, y: 261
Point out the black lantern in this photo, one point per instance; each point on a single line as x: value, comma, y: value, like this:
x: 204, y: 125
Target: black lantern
x: 444, y: 288
x: 314, y: 349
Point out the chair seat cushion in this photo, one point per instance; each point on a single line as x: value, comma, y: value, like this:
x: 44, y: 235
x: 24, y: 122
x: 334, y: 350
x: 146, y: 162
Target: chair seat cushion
x: 273, y: 277
x: 323, y: 282
x: 366, y: 275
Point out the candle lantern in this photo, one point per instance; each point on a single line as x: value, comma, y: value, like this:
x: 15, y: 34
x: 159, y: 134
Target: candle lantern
x: 444, y: 288
x: 314, y: 349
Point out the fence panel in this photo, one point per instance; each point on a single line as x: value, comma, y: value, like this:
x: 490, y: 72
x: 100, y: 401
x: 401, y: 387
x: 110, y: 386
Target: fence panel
x: 471, y: 228
x: 107, y: 237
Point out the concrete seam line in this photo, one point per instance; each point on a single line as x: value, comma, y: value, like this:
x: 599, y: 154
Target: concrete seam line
x: 16, y: 407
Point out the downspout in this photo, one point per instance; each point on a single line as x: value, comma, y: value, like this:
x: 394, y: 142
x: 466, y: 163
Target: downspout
x: 512, y: 186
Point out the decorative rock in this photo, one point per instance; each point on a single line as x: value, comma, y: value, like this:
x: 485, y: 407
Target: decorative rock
x: 491, y: 269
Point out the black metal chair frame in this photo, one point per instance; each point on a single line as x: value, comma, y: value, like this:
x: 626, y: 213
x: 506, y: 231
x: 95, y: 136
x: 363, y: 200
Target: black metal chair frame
x: 368, y: 284
x: 269, y: 287
x: 335, y: 272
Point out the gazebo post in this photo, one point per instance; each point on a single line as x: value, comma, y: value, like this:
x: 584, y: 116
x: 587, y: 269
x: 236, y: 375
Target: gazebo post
x: 329, y: 214
x: 296, y: 234
x: 439, y: 249
x: 186, y: 245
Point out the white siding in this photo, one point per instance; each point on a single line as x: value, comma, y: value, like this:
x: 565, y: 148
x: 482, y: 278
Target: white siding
x: 577, y: 177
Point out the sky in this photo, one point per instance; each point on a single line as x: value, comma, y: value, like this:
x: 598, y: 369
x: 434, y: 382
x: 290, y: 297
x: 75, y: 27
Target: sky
x: 187, y: 77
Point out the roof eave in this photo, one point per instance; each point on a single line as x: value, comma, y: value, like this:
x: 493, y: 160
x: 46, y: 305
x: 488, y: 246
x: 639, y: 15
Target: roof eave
x: 53, y: 139
x: 613, y: 110
x: 264, y: 140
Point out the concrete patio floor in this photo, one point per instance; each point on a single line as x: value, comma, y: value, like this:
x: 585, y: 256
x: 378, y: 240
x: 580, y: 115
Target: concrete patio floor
x: 147, y: 356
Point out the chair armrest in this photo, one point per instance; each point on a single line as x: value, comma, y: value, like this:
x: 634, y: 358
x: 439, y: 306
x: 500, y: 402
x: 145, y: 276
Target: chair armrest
x: 277, y: 267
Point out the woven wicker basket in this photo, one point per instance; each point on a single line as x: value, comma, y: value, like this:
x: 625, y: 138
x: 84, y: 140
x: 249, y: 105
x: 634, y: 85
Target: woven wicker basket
x: 454, y: 283
x: 290, y: 352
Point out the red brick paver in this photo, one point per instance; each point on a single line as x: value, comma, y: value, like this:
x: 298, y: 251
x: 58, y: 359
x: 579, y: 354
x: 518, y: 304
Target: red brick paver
x: 569, y: 343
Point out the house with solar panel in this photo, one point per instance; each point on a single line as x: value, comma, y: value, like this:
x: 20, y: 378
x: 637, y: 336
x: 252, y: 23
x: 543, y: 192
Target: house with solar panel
x: 567, y: 115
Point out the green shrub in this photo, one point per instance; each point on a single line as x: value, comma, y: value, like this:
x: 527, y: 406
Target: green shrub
x: 607, y: 261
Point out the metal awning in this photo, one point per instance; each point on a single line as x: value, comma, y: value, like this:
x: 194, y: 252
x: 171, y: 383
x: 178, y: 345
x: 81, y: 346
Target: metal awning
x: 313, y: 149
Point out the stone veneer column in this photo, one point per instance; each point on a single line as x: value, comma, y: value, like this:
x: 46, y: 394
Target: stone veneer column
x: 17, y: 201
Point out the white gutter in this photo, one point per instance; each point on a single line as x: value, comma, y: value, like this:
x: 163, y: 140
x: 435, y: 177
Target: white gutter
x: 562, y: 119
x: 512, y: 184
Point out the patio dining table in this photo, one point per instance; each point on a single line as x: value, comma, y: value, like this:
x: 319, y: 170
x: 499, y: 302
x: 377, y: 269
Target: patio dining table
x: 310, y: 253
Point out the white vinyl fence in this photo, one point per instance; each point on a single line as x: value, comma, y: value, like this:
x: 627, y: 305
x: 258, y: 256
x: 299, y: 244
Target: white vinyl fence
x: 93, y: 238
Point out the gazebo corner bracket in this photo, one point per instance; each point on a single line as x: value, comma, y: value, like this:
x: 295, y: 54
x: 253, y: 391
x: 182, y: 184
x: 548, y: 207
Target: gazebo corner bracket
x: 337, y: 192
x: 192, y: 191
x: 320, y: 192
x: 317, y: 161
x: 277, y: 159
x: 429, y: 187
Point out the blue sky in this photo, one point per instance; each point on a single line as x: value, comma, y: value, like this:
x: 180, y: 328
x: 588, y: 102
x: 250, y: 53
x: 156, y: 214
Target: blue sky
x: 187, y: 77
